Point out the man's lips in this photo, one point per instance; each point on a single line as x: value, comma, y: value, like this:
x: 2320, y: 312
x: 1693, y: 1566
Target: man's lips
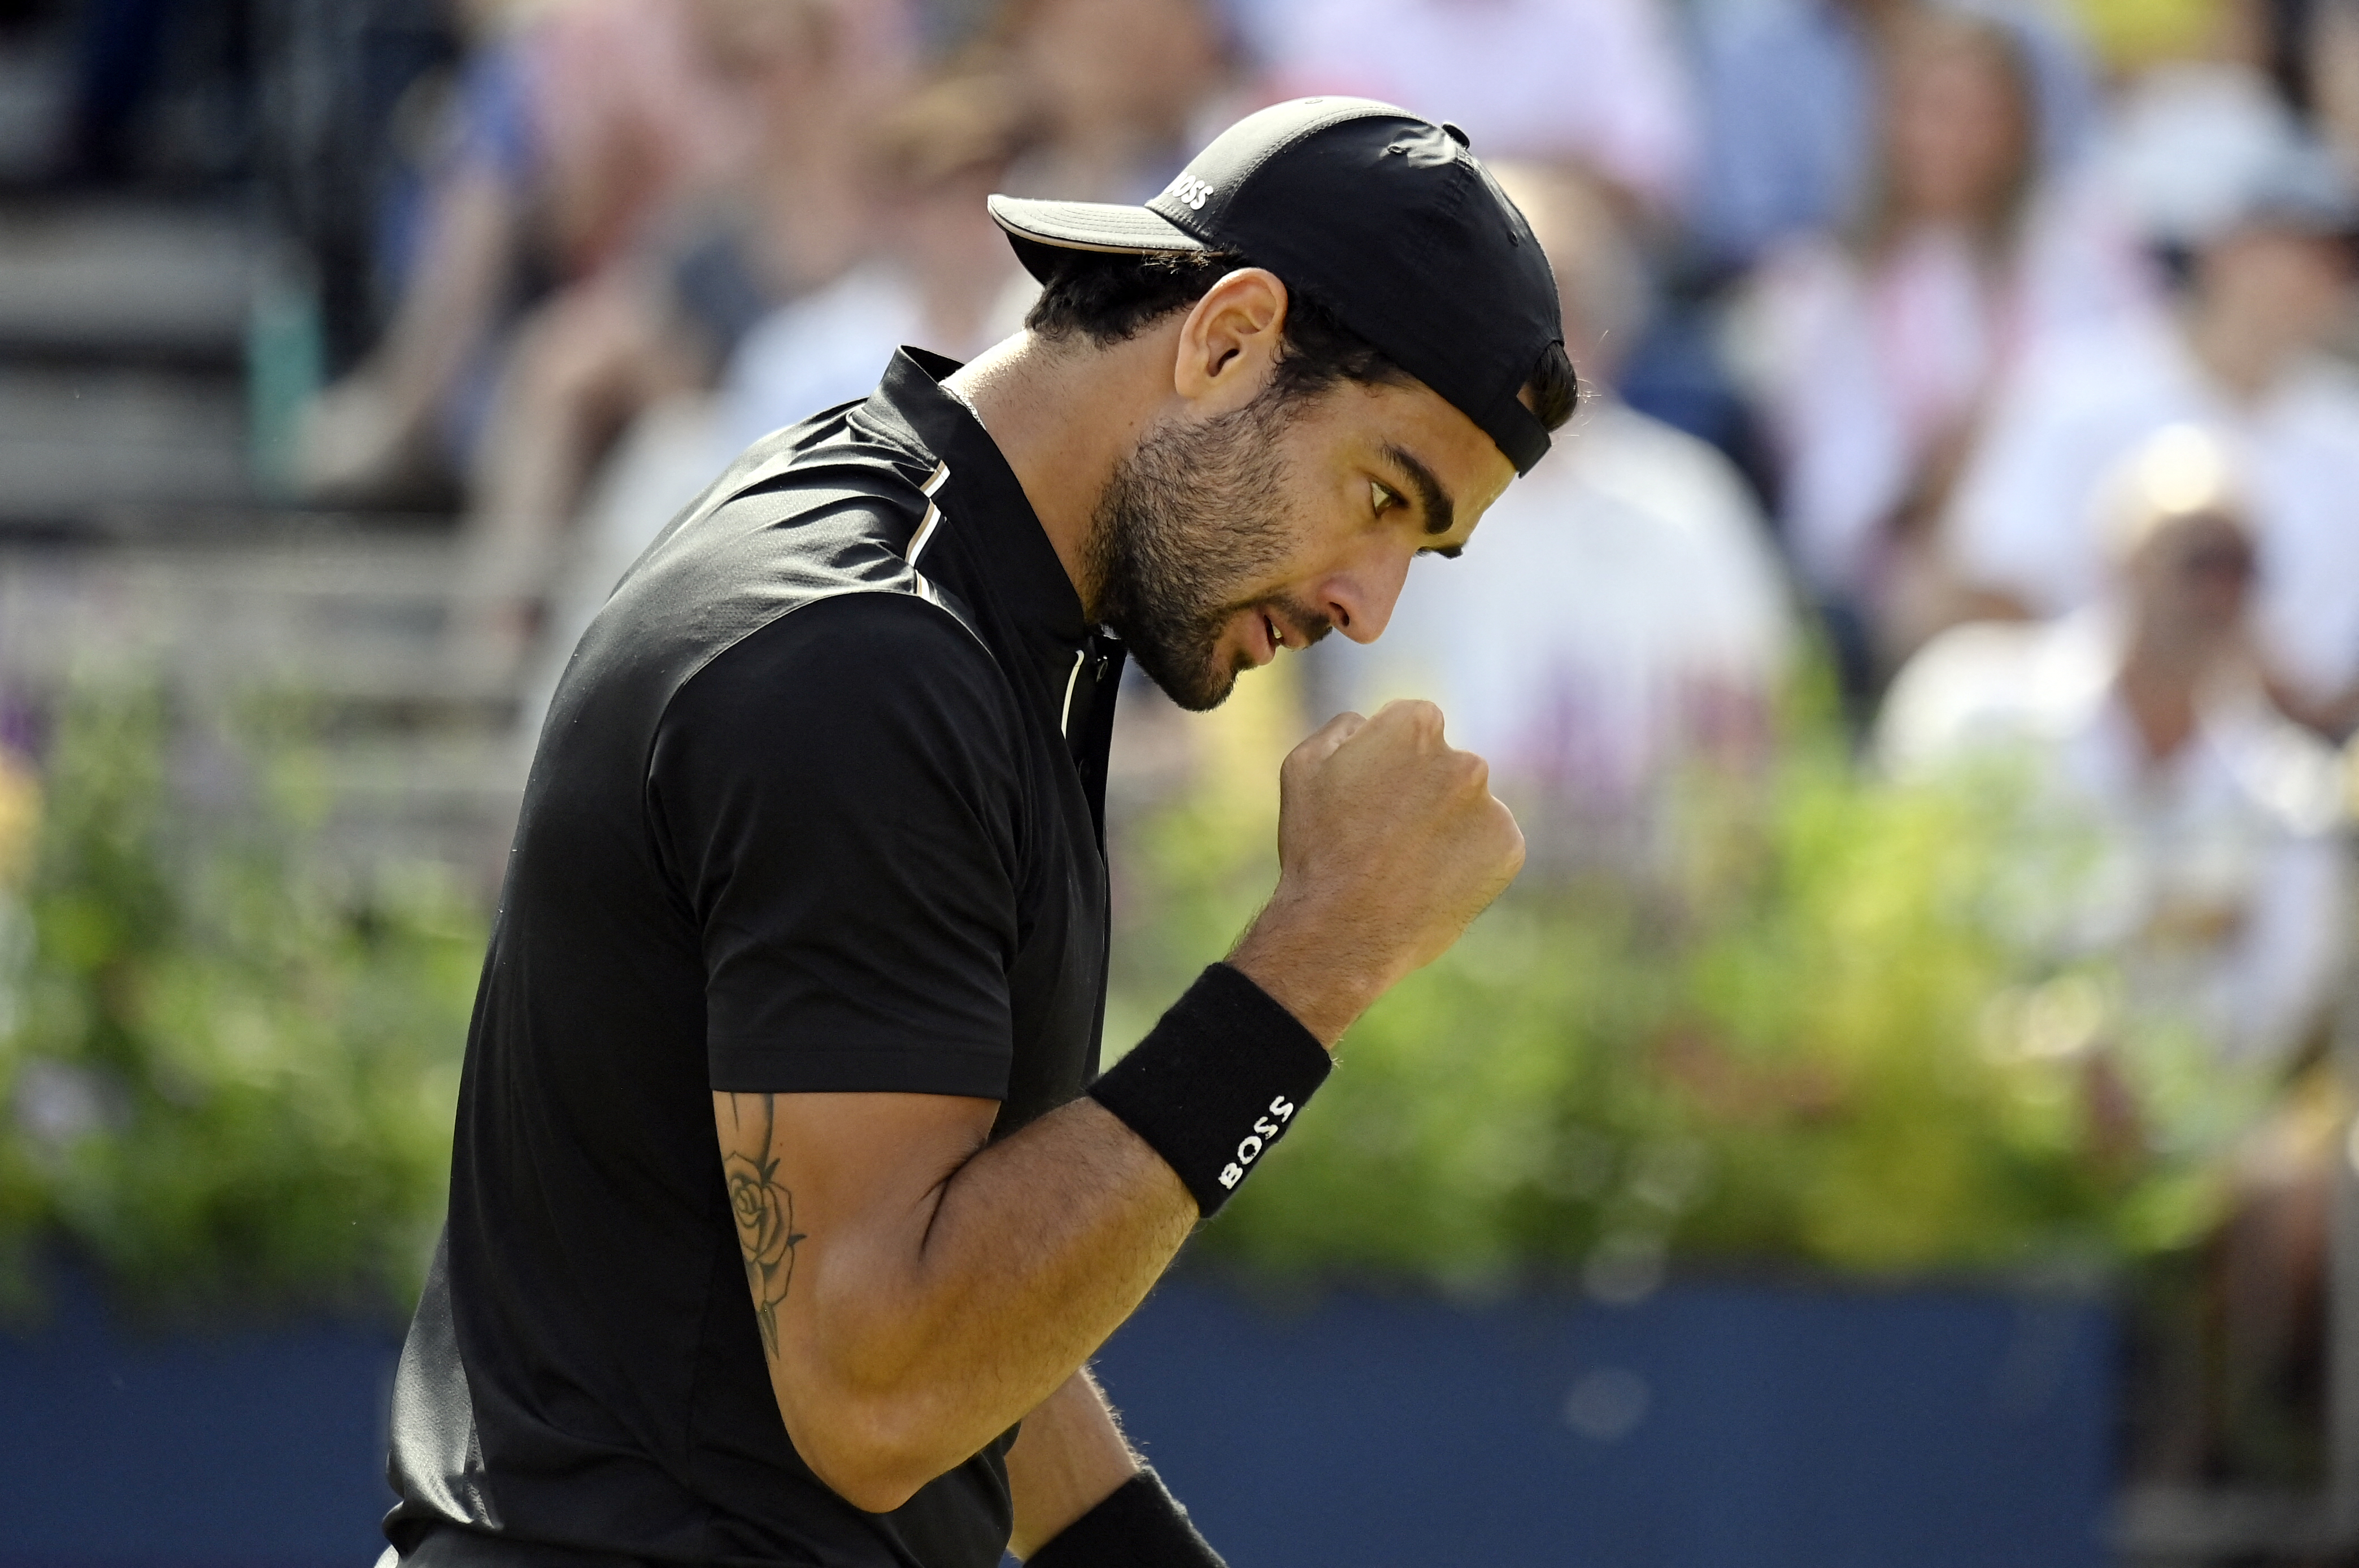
x: 1266, y: 631
x: 1264, y: 637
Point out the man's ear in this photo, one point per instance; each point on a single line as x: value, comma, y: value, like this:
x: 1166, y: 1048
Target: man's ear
x: 1232, y: 340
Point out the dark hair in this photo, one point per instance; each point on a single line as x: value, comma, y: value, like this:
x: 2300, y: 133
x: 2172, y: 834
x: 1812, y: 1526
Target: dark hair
x: 1109, y: 298
x: 1555, y: 389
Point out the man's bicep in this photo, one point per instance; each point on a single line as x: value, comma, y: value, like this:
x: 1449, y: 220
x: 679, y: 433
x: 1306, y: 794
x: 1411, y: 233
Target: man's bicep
x: 832, y: 1182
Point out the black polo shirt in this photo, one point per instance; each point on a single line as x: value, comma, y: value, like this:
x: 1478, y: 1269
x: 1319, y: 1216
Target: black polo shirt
x: 817, y: 807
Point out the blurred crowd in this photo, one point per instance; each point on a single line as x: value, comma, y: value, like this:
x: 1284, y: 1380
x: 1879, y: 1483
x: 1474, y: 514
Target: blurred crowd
x: 1999, y: 353
x: 2003, y: 351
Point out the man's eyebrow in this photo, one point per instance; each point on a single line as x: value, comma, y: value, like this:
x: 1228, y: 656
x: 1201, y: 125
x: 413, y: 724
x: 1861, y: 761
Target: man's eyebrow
x: 1441, y: 515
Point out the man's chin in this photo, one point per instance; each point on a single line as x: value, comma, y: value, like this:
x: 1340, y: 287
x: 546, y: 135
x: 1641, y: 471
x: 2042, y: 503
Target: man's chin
x: 1200, y: 696
x: 1201, y: 700
x: 1199, y: 690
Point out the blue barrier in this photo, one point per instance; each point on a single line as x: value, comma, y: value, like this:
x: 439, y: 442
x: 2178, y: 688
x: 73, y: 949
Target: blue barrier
x: 1711, y: 1427
x: 242, y: 1450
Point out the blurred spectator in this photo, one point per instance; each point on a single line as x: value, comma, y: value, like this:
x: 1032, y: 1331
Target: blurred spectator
x: 1089, y: 98
x: 1619, y: 613
x: 1789, y: 109
x: 1596, y: 82
x: 2211, y: 94
x: 2268, y: 290
x: 2334, y: 80
x: 1124, y: 90
x: 1877, y: 353
x: 2188, y: 138
x: 942, y: 277
x: 2210, y: 864
x: 665, y: 315
x: 2216, y: 872
x: 939, y: 275
x: 2289, y: 43
x: 579, y: 124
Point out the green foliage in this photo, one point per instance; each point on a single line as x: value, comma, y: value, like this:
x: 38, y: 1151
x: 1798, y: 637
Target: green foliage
x: 231, y: 1072
x: 1824, y: 1034
x: 1827, y: 1034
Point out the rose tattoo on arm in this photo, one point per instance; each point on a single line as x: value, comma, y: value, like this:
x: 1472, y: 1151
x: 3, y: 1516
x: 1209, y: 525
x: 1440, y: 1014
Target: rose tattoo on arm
x: 765, y: 1213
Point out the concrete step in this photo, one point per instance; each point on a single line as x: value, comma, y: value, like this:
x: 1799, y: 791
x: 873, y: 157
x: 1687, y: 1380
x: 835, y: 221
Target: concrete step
x: 422, y: 759
x: 348, y: 618
x: 126, y: 278
x: 80, y: 440
x: 124, y: 445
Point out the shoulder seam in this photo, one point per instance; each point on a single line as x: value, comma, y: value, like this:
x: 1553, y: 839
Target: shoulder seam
x: 919, y: 590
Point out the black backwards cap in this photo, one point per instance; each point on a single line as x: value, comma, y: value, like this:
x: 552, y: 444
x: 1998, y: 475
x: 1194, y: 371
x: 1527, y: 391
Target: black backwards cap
x: 1388, y: 219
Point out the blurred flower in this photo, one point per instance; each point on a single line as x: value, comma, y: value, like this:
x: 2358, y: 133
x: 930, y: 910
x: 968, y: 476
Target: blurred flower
x: 58, y: 1104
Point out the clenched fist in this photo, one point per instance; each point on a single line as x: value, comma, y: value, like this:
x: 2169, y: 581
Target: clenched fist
x: 1388, y: 843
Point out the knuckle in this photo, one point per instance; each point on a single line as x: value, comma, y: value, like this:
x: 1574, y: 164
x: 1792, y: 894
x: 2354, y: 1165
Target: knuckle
x: 1419, y: 717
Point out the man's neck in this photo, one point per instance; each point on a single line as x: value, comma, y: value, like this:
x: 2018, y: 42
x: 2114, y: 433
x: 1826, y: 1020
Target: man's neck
x: 1064, y: 415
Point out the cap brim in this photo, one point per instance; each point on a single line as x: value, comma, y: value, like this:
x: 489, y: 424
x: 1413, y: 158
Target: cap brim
x: 1091, y: 226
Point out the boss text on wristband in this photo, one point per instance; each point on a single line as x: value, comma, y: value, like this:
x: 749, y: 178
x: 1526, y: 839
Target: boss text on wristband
x: 1215, y: 1083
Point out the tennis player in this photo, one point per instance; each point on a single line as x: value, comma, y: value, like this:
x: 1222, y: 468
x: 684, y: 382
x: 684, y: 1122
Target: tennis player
x: 788, y: 1202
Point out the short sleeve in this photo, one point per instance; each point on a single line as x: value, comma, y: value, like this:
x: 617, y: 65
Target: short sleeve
x: 839, y: 797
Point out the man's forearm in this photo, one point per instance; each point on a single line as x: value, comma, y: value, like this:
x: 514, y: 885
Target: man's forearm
x: 903, y: 1341
x: 945, y: 1288
x: 1039, y: 1248
x: 1070, y: 1457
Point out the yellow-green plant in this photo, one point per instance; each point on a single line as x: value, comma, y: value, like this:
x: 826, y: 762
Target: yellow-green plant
x: 231, y: 1071
x: 1829, y: 1029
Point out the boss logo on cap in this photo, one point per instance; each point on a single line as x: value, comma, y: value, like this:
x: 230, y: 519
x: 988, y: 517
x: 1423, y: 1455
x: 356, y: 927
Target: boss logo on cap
x: 1191, y: 192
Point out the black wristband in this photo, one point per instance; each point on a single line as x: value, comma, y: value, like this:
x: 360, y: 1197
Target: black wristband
x: 1215, y: 1083
x: 1140, y: 1526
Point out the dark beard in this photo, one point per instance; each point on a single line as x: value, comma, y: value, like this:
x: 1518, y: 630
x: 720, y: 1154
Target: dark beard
x: 1189, y: 523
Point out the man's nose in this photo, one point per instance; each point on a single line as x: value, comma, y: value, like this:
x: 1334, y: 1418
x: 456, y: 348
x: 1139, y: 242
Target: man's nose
x: 1360, y: 598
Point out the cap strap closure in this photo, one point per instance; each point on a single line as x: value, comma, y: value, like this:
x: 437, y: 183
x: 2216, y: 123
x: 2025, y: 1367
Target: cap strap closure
x: 1517, y: 431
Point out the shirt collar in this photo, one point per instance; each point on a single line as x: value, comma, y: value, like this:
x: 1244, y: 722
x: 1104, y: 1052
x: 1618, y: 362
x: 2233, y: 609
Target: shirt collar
x: 983, y: 497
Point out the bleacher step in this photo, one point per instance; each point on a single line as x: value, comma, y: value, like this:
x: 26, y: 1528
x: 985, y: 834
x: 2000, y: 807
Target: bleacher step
x: 77, y: 441
x: 126, y: 279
